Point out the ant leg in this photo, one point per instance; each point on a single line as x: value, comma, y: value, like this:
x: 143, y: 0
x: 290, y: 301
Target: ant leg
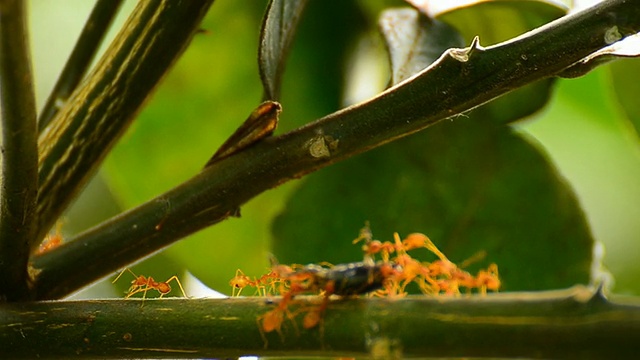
x: 120, y: 274
x: 270, y: 321
x: 262, y: 334
x: 474, y: 258
x: 136, y: 284
x: 150, y: 284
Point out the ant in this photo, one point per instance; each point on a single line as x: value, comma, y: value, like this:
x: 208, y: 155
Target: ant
x: 51, y: 241
x: 372, y: 247
x: 451, y: 277
x: 142, y: 284
x: 412, y: 269
x: 342, y: 280
x: 388, y: 277
x: 267, y: 283
x: 441, y: 275
x: 240, y: 281
x: 488, y: 279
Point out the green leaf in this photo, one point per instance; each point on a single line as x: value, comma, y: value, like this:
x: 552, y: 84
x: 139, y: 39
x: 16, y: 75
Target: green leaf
x: 414, y: 41
x: 595, y: 148
x: 278, y: 29
x: 625, y: 74
x: 470, y: 188
x: 497, y: 21
x: 315, y: 78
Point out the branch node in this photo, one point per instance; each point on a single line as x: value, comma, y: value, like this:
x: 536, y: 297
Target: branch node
x: 612, y: 35
x: 321, y: 146
x: 599, y: 295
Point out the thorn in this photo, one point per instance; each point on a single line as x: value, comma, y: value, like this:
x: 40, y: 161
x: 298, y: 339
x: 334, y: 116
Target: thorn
x: 463, y: 55
x: 600, y: 293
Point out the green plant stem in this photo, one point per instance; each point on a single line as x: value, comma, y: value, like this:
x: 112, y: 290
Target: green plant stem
x: 447, y: 88
x: 572, y: 323
x: 85, y: 129
x: 18, y: 194
x: 83, y: 53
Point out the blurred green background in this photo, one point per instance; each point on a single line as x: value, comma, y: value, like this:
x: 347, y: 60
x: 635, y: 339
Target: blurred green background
x: 584, y: 130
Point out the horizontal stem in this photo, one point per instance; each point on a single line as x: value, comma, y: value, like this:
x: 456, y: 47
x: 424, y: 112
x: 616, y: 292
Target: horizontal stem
x: 572, y: 323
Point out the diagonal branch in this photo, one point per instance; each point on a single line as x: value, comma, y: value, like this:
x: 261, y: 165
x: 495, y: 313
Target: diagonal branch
x: 459, y: 81
x: 18, y: 194
x: 78, y: 63
x: 85, y: 129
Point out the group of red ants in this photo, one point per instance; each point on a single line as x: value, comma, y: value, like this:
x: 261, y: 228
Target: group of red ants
x: 387, y: 276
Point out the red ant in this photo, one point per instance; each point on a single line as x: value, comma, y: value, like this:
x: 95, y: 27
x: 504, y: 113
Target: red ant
x: 51, y: 241
x: 387, y: 277
x: 240, y: 281
x: 142, y: 284
x: 267, y: 283
x: 342, y: 280
x: 452, y: 277
x: 488, y: 279
x: 372, y: 247
x: 412, y: 270
x: 441, y: 275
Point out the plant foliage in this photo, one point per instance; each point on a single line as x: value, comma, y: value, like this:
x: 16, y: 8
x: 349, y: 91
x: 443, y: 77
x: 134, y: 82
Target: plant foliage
x: 442, y: 149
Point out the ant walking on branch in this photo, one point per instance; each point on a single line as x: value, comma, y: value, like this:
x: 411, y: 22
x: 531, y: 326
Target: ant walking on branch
x: 142, y: 284
x: 51, y: 241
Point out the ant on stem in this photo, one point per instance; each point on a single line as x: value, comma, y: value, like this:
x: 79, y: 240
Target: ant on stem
x: 342, y: 280
x: 240, y: 281
x: 142, y: 284
x: 267, y: 283
x: 51, y: 241
x: 388, y: 277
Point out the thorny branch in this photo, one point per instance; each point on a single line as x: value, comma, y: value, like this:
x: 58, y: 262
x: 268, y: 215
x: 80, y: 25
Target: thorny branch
x: 459, y: 81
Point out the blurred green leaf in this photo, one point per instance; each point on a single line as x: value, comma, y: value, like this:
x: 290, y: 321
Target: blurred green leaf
x: 469, y: 187
x: 497, y: 21
x: 414, y: 41
x: 277, y: 33
x: 314, y: 81
x: 589, y: 138
x: 625, y: 74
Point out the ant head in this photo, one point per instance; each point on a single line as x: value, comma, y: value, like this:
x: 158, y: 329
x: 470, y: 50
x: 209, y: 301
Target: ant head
x: 415, y: 240
x: 390, y: 270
